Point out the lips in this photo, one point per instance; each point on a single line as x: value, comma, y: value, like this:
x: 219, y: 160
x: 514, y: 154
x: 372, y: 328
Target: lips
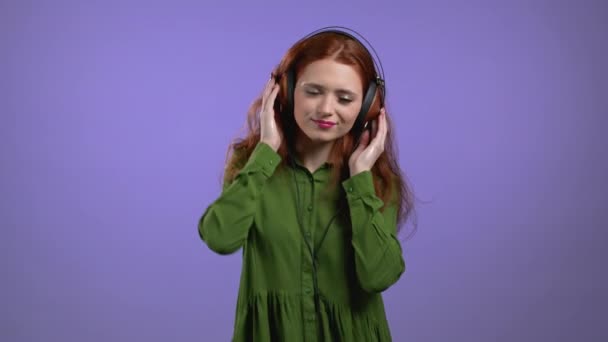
x: 325, y: 123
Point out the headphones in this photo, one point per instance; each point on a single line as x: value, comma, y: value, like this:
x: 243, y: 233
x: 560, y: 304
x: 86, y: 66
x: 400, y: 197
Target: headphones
x: 375, y: 85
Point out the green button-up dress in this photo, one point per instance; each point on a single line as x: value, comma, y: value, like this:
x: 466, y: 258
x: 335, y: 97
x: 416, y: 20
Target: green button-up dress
x: 283, y: 295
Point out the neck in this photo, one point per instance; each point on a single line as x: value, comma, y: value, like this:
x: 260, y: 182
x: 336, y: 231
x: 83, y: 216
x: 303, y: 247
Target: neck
x: 312, y: 154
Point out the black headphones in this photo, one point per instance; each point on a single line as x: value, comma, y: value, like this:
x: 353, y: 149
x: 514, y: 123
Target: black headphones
x: 374, y: 85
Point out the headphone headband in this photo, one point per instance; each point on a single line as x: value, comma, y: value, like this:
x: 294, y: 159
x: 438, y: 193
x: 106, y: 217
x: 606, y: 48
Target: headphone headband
x: 380, y: 79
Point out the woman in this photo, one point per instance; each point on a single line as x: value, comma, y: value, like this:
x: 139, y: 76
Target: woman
x: 314, y: 200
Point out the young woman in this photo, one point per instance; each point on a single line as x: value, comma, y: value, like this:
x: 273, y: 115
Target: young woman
x: 314, y: 197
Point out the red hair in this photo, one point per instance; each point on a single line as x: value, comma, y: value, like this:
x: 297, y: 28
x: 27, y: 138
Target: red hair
x: 389, y: 183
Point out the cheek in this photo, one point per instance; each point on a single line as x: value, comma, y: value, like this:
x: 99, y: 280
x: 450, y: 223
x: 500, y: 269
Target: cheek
x: 352, y: 114
x: 302, y: 107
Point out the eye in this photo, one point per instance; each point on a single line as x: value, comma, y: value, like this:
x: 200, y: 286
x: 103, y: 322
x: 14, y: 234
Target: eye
x: 312, y: 92
x: 345, y: 100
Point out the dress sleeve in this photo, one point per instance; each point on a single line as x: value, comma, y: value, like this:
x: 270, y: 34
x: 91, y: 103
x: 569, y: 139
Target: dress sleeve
x: 225, y: 223
x: 378, y: 255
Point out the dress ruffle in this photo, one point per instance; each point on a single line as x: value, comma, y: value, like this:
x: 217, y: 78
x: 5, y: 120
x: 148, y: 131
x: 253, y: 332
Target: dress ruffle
x: 277, y: 317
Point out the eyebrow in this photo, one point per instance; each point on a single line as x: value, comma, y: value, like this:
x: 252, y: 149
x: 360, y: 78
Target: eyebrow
x: 313, y: 84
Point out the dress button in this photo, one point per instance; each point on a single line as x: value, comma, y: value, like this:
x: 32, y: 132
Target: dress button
x: 310, y: 208
x: 270, y: 162
x: 350, y: 189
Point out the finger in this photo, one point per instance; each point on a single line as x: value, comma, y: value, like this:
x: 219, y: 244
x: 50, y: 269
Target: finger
x: 272, y: 97
x: 268, y: 102
x: 363, y: 140
x: 383, y: 127
x: 375, y: 128
x: 268, y: 85
x: 266, y: 94
x: 365, y: 137
x: 361, y: 145
x: 275, y: 91
x: 267, y: 89
x: 379, y: 130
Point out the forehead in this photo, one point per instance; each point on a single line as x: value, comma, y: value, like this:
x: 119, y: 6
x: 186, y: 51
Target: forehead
x: 331, y: 74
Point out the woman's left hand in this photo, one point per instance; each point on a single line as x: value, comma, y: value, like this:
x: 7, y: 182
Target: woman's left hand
x: 366, y: 154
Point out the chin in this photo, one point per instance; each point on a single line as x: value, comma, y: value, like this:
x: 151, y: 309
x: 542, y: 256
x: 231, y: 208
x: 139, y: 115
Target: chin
x: 321, y: 137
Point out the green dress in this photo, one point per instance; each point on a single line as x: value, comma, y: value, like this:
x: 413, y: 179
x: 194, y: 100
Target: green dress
x: 282, y: 295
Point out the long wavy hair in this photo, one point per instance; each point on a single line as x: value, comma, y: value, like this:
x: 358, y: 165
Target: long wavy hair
x: 389, y: 182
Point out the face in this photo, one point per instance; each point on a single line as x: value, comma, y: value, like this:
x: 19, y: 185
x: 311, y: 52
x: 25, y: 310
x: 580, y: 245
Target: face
x: 327, y: 99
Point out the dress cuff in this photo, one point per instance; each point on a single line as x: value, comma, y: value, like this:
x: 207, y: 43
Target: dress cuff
x: 359, y: 185
x: 265, y: 158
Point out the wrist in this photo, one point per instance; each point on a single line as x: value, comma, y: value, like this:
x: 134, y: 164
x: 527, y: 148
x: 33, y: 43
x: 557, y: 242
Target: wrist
x: 272, y: 146
x: 355, y: 171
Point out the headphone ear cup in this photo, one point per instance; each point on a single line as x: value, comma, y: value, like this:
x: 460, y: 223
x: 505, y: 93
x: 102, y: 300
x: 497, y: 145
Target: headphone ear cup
x: 287, y: 110
x: 368, y: 99
x: 289, y: 92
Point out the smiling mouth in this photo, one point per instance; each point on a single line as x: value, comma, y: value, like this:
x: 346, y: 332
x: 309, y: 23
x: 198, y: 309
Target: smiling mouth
x: 325, y: 123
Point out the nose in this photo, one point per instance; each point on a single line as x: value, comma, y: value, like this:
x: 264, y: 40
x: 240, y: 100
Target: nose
x: 326, y: 105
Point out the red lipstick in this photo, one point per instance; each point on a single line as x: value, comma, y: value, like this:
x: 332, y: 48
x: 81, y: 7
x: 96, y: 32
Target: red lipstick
x: 324, y: 124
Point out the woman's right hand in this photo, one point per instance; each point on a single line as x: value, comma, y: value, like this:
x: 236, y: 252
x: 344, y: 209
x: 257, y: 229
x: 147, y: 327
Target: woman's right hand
x: 269, y: 132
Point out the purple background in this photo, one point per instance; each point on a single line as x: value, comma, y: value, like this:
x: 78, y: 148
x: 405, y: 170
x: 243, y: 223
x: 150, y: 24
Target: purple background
x: 116, y: 118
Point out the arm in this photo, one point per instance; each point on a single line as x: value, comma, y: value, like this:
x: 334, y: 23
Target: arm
x: 378, y: 255
x: 225, y: 224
